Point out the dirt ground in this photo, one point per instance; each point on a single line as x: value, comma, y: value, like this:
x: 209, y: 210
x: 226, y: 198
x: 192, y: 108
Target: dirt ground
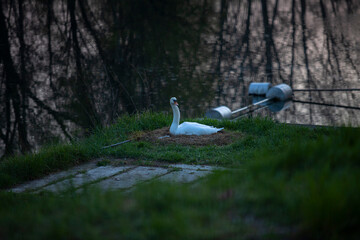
x: 163, y: 136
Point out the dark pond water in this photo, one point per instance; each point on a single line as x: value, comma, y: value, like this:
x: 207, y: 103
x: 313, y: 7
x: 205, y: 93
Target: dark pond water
x: 68, y: 66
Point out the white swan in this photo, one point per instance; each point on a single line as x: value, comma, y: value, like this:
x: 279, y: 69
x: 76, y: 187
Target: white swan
x: 188, y: 128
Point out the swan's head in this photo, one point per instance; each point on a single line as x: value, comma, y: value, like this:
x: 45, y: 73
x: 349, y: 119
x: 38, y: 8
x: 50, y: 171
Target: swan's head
x: 173, y: 101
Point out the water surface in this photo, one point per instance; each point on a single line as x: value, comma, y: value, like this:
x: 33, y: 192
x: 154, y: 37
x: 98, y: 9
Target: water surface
x: 68, y: 66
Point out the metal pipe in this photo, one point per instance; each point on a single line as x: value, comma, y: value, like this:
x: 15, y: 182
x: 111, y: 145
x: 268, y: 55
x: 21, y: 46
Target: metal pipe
x: 115, y: 144
x: 280, y: 92
x: 224, y: 112
x: 249, y: 112
x: 249, y: 106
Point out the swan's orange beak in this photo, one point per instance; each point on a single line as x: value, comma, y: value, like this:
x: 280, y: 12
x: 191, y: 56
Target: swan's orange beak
x: 175, y: 102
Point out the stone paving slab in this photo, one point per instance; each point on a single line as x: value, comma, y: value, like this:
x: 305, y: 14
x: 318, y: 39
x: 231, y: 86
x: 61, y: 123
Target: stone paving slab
x: 83, y: 178
x: 184, y: 176
x: 132, y: 177
x: 193, y: 167
x: 35, y: 184
x: 111, y: 177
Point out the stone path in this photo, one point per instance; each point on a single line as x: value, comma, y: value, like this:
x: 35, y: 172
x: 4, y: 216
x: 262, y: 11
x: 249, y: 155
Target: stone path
x: 114, y: 177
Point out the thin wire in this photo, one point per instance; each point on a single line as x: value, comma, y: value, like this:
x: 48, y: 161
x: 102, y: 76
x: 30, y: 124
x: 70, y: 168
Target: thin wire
x: 327, y: 104
x: 327, y: 90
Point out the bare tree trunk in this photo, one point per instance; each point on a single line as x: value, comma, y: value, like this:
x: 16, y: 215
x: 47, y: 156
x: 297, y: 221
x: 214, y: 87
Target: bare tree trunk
x: 81, y: 87
x: 23, y: 84
x: 223, y: 15
x: 293, y: 23
x: 268, y: 41
x: 13, y: 84
x: 48, y: 26
x: 304, y: 40
x: 245, y: 41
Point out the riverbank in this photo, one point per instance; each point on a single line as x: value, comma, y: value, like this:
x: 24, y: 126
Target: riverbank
x: 285, y: 182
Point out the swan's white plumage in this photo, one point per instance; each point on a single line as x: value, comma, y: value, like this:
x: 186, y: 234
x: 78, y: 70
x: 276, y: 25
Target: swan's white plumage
x: 188, y: 128
x: 193, y: 128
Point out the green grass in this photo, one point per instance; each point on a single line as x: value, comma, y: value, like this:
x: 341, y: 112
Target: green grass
x: 286, y: 182
x: 103, y: 162
x: 258, y: 134
x: 18, y: 169
x: 315, y: 182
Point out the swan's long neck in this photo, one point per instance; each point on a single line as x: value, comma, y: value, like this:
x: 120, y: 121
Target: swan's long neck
x: 176, y: 119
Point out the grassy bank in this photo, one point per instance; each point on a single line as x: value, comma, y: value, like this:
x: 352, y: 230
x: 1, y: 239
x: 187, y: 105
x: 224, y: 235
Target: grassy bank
x: 256, y: 135
x: 284, y: 182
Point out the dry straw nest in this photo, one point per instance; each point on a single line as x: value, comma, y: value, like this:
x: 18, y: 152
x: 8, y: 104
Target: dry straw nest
x: 157, y: 136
